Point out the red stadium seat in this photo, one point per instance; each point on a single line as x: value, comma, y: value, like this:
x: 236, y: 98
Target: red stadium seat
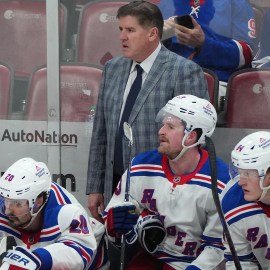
x: 79, y: 88
x: 6, y: 86
x: 213, y: 84
x: 98, y: 32
x: 248, y: 99
x: 23, y: 34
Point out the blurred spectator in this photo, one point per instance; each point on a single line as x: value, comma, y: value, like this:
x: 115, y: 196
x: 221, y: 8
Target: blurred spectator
x: 222, y: 38
x: 262, y: 58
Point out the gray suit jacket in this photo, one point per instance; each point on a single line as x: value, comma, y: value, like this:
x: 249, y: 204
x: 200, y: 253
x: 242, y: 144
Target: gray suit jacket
x: 170, y: 75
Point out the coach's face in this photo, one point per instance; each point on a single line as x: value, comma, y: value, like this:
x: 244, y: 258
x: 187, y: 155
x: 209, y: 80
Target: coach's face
x: 138, y: 42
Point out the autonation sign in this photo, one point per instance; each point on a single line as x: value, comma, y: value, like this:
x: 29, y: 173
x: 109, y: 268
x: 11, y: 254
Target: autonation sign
x: 34, y: 139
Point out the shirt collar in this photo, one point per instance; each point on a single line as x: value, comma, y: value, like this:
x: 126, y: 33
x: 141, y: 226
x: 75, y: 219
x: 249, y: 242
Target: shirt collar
x: 148, y: 62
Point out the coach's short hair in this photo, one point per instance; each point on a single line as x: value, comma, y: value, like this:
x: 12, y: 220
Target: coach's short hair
x: 148, y: 14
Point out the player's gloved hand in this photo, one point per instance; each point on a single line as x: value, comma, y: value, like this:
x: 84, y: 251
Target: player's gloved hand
x: 131, y: 236
x: 121, y: 219
x: 21, y: 258
x: 151, y: 232
x: 7, y: 242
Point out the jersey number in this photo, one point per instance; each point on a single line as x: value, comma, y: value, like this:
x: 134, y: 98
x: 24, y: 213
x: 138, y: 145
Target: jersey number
x: 79, y: 226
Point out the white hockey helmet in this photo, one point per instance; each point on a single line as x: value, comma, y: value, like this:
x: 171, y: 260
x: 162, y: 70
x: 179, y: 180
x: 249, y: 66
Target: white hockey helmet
x: 194, y: 111
x: 253, y: 152
x: 25, y: 179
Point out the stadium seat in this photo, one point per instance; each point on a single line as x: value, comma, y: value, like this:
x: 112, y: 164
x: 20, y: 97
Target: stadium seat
x: 6, y: 86
x: 213, y: 84
x: 23, y: 45
x: 79, y: 86
x: 23, y: 34
x: 98, y: 32
x: 248, y: 99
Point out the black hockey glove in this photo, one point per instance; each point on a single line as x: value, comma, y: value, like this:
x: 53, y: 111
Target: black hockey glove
x: 151, y: 232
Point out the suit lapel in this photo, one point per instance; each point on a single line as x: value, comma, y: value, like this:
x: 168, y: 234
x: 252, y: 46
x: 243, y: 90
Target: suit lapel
x: 119, y: 90
x: 150, y: 83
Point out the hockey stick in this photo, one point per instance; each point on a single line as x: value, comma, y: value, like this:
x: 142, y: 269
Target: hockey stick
x: 129, y: 136
x: 212, y: 159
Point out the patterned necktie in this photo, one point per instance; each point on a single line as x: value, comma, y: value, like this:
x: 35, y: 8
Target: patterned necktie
x: 133, y: 93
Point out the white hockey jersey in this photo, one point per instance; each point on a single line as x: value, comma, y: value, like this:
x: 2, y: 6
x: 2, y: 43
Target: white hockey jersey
x: 68, y: 240
x: 249, y: 226
x: 185, y: 205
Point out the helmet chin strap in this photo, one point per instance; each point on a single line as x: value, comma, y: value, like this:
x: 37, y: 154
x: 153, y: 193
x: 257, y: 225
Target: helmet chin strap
x: 33, y: 216
x: 184, y: 149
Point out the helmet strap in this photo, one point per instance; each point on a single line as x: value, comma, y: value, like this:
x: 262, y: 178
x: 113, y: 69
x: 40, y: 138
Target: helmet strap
x: 184, y: 149
x: 182, y: 152
x: 34, y: 215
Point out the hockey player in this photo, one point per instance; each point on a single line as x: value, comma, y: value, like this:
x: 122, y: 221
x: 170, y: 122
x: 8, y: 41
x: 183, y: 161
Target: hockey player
x: 246, y: 203
x: 170, y: 187
x: 50, y: 229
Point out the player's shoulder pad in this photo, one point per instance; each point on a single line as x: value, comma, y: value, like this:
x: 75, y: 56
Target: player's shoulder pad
x: 148, y: 157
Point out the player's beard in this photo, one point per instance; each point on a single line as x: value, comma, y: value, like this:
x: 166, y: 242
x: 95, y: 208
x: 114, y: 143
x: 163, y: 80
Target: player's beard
x: 16, y: 222
x: 164, y: 149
